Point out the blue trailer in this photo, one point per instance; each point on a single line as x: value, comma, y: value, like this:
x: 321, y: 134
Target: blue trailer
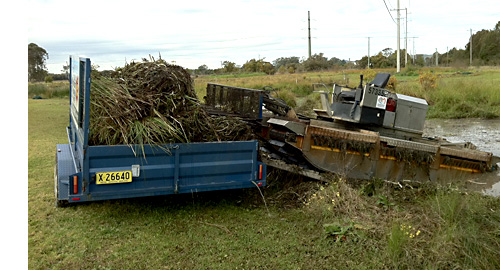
x: 89, y: 173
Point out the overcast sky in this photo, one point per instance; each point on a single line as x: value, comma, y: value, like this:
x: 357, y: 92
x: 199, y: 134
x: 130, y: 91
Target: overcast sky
x: 193, y: 33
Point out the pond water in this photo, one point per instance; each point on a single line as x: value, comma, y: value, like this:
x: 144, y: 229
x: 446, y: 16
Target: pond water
x: 485, y: 134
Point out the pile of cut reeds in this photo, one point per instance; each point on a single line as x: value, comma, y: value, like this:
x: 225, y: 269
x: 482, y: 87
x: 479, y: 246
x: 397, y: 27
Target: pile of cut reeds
x: 153, y: 102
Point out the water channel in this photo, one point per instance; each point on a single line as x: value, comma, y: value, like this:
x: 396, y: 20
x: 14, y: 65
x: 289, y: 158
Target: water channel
x: 485, y: 134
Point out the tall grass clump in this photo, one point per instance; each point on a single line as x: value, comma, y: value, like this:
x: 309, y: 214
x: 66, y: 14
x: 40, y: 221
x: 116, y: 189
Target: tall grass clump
x: 56, y: 89
x: 287, y: 96
x: 464, y: 97
x: 467, y: 231
x: 36, y: 89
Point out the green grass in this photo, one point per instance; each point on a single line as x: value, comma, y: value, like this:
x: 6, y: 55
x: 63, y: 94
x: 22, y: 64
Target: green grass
x: 457, y: 95
x: 57, y: 89
x: 234, y: 229
x: 465, y: 96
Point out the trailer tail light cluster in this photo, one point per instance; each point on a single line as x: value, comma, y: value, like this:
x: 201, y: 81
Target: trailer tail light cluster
x: 260, y: 171
x: 75, y: 184
x: 391, y: 105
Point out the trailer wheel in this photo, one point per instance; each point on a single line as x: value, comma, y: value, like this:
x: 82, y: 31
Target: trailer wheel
x: 59, y: 203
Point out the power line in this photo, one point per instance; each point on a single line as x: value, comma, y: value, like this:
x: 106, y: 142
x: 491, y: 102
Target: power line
x: 389, y: 12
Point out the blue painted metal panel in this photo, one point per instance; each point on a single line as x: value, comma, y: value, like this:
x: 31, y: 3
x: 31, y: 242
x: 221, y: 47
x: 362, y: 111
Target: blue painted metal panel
x: 183, y: 168
x: 79, y: 82
x: 64, y: 169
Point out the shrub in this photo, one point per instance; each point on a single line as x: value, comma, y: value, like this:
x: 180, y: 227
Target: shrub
x: 393, y: 82
x: 369, y: 75
x: 428, y: 80
x: 282, y: 70
x: 49, y: 79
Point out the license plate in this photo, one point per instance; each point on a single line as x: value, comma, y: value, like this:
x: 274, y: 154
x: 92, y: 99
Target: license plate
x: 113, y: 177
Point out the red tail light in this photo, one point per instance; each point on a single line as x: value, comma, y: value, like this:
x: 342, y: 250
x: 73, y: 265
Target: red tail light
x: 391, y: 105
x: 260, y: 172
x: 75, y: 184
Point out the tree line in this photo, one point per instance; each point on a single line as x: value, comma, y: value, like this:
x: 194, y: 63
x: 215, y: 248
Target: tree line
x: 280, y: 65
x: 485, y: 51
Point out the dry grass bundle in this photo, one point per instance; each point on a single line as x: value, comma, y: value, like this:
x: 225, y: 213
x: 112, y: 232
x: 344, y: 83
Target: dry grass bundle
x: 153, y: 102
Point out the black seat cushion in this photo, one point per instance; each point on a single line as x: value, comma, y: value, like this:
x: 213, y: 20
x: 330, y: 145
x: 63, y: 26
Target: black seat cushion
x: 381, y: 80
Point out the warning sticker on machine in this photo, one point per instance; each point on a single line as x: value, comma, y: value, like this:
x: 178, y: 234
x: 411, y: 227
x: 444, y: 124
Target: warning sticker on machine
x: 381, y: 102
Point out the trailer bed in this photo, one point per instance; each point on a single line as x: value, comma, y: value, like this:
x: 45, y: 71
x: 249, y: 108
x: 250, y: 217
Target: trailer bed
x: 158, y: 170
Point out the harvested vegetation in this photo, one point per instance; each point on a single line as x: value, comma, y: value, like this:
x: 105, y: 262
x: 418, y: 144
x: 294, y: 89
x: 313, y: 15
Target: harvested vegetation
x: 153, y: 102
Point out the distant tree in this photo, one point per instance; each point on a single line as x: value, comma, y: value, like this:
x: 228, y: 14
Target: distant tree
x: 380, y: 61
x: 59, y: 77
x: 363, y: 62
x: 229, y: 67
x: 457, y: 57
x: 334, y: 61
x: 485, y: 46
x: 316, y: 62
x: 387, y: 52
x: 260, y: 65
x: 65, y: 70
x: 36, y: 62
x: 292, y: 68
x: 251, y: 65
x: 420, y: 61
x: 203, y: 69
x: 282, y: 69
x: 489, y: 51
x: 268, y: 68
x: 286, y: 61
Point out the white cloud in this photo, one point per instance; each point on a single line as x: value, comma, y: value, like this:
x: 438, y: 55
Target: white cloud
x: 193, y: 33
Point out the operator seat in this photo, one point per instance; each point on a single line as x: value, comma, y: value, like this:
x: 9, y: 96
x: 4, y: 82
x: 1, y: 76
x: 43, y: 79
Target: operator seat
x: 381, y: 80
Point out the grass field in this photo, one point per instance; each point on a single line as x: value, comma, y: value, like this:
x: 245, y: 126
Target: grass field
x: 306, y: 225
x: 48, y: 90
x: 457, y: 93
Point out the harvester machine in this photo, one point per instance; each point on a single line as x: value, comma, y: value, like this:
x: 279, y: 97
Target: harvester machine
x: 361, y: 133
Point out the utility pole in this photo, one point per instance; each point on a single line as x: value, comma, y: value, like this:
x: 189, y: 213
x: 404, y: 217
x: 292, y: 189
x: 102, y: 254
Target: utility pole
x: 406, y: 37
x: 368, y: 53
x: 398, y: 55
x: 470, y: 47
x: 414, y: 53
x: 447, y: 57
x: 309, y: 30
